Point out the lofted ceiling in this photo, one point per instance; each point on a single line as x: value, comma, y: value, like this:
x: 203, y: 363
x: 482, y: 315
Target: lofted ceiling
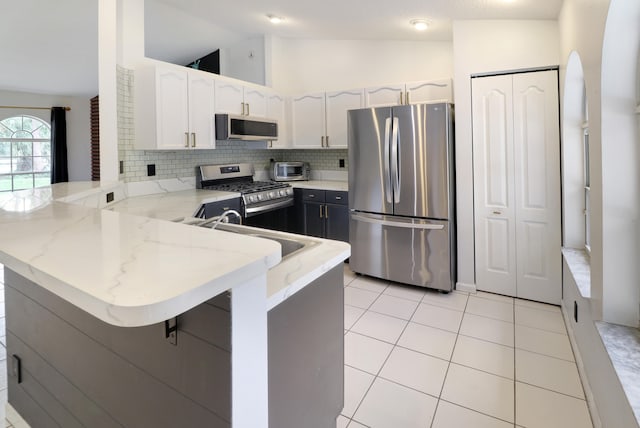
x: 51, y: 46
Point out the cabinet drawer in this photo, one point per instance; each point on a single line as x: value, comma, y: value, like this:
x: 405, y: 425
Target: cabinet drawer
x: 337, y: 197
x: 312, y: 195
x: 217, y: 208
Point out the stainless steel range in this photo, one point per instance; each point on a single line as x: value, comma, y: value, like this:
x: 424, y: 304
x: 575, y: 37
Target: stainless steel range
x: 257, y: 196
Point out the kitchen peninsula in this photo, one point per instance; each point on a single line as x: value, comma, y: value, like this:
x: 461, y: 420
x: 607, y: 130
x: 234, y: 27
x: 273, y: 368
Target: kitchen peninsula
x: 94, y: 296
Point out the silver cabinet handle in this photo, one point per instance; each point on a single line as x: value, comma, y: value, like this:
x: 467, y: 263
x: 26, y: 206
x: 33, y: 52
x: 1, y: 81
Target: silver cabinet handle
x: 322, y: 141
x: 497, y: 212
x: 406, y: 98
x: 327, y: 140
x: 242, y: 109
x: 321, y: 211
x: 338, y: 198
x: 186, y: 139
x: 401, y: 98
x: 193, y: 139
x: 248, y: 110
x: 326, y: 212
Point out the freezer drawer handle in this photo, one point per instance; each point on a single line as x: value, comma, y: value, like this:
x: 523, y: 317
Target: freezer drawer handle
x: 358, y: 217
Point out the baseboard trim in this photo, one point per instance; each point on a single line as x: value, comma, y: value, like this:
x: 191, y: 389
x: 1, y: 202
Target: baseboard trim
x: 468, y: 288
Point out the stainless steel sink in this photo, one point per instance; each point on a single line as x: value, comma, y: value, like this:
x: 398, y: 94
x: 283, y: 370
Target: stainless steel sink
x: 290, y: 246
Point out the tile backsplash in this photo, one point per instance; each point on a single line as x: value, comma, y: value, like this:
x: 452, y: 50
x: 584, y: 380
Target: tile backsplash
x: 176, y: 164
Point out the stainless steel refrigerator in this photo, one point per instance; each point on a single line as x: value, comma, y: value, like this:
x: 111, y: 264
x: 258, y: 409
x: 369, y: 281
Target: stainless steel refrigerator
x: 401, y: 194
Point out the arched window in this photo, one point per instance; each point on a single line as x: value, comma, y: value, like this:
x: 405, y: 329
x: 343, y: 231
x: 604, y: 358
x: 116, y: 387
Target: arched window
x: 25, y: 153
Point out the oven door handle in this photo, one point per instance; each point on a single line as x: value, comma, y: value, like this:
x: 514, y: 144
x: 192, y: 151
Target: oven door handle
x: 268, y: 207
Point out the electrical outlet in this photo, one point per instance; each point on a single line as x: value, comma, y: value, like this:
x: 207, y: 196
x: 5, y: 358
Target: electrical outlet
x: 109, y: 197
x: 151, y: 169
x: 341, y: 163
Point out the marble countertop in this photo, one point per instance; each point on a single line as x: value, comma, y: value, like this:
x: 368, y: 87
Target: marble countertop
x: 322, y: 185
x: 623, y: 345
x: 170, y: 205
x: 124, y: 269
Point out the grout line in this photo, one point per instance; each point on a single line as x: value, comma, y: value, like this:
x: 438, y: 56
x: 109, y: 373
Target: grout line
x: 515, y: 395
x: 551, y: 390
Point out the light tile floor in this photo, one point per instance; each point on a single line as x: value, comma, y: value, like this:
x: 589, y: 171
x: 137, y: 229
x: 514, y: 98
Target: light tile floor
x: 418, y: 358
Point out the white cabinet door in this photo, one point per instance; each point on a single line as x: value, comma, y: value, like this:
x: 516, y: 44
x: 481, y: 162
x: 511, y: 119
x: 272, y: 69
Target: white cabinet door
x: 537, y: 178
x: 429, y: 92
x: 276, y: 109
x: 201, y: 112
x: 308, y: 120
x: 516, y: 149
x: 255, y: 102
x: 382, y: 96
x: 172, y: 109
x: 337, y: 105
x: 229, y: 98
x: 494, y: 185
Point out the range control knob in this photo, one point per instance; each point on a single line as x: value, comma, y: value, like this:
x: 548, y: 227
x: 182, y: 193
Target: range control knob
x: 272, y: 195
x: 283, y: 192
x: 289, y: 191
x: 252, y: 198
x: 259, y: 196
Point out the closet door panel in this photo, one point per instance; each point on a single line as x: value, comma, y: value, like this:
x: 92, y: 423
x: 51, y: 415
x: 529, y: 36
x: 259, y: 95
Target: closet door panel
x: 493, y: 184
x: 537, y: 179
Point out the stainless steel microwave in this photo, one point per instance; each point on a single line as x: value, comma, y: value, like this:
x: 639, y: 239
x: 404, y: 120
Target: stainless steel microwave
x: 232, y: 127
x: 289, y: 171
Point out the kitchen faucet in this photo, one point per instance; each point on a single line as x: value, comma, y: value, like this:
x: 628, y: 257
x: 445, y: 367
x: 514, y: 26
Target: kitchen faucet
x: 224, y: 217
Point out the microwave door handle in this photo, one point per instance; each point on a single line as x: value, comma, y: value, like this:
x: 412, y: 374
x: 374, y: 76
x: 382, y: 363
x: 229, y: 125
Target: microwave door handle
x: 387, y: 175
x: 395, y: 167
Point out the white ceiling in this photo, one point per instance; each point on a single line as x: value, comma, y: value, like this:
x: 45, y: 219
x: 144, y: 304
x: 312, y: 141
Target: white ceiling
x: 51, y: 46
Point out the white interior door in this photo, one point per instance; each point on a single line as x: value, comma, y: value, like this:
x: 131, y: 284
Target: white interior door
x: 495, y: 231
x: 537, y: 180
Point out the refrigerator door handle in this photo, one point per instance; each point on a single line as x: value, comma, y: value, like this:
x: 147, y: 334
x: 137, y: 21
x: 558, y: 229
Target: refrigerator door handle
x: 387, y: 176
x: 395, y: 168
x: 407, y: 225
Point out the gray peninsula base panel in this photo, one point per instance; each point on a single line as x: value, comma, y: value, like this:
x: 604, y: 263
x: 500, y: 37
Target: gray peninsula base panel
x: 77, y: 371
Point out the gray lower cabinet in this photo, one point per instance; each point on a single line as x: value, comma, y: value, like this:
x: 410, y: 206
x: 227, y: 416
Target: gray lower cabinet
x: 325, y: 214
x: 77, y: 371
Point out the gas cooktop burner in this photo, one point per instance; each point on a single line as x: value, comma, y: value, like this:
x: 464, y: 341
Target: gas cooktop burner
x: 246, y: 187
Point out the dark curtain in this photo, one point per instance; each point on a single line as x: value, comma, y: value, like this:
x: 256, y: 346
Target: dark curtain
x: 59, y: 167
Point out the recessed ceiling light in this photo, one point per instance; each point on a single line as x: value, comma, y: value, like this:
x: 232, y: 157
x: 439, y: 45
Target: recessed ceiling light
x: 419, y: 24
x: 275, y: 19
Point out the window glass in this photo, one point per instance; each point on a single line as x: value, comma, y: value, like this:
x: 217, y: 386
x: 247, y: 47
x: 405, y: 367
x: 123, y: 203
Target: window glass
x: 25, y: 153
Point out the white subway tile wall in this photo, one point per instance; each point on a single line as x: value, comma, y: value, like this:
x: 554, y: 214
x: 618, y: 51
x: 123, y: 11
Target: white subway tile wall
x: 175, y: 164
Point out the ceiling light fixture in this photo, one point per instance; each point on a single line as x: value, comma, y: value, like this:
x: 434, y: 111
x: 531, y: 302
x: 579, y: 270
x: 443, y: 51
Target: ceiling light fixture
x: 419, y: 24
x: 275, y: 19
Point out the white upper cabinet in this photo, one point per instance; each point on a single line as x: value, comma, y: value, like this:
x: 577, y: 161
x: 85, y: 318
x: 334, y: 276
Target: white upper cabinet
x: 336, y: 105
x: 277, y: 109
x: 255, y: 102
x: 233, y: 98
x: 429, y: 92
x: 409, y: 93
x: 382, y: 96
x: 174, y: 109
x: 308, y: 121
x: 320, y: 120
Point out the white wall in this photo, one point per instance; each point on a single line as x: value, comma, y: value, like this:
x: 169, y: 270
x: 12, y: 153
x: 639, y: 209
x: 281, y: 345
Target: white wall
x: 303, y: 65
x: 78, y: 125
x: 244, y: 60
x: 480, y: 47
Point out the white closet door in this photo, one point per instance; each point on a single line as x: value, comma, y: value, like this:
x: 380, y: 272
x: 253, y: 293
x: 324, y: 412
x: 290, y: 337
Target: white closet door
x: 537, y: 180
x: 495, y: 239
